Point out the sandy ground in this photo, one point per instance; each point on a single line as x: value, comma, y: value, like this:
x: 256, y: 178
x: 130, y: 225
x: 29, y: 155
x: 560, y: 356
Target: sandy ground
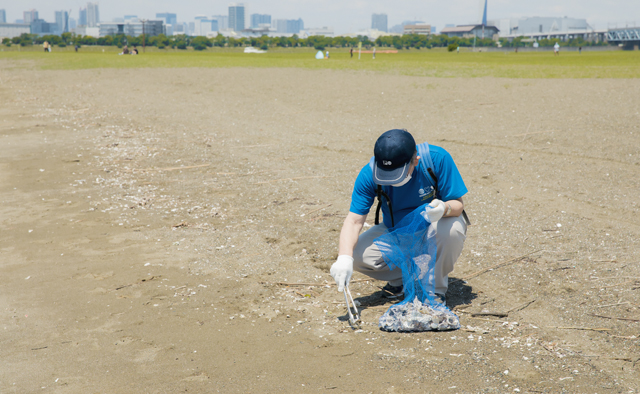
x: 149, y: 217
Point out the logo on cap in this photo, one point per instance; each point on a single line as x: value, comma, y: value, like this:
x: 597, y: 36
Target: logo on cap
x: 386, y: 162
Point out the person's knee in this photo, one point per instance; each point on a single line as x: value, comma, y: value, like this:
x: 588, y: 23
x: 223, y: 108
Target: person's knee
x: 450, y: 230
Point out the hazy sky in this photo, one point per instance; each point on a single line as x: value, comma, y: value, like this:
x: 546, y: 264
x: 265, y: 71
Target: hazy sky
x: 351, y: 16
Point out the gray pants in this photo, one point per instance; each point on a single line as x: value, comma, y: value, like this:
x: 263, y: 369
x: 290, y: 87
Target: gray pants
x: 451, y: 233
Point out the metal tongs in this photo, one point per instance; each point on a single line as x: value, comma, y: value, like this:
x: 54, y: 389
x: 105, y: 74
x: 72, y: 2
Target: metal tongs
x: 353, y: 321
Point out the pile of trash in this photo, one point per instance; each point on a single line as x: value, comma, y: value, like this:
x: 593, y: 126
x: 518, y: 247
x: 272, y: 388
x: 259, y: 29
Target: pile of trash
x: 416, y: 316
x: 411, y: 247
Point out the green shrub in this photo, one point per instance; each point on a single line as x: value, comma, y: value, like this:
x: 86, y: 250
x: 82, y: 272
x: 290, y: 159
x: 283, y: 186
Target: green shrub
x: 452, y: 47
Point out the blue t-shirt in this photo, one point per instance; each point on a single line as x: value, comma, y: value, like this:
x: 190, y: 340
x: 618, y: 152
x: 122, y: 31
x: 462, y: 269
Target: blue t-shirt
x: 416, y: 192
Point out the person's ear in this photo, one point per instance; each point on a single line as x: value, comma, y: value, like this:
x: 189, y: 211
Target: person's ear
x: 415, y: 163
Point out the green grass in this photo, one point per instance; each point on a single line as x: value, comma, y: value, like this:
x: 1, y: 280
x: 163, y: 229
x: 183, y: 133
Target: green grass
x: 436, y: 63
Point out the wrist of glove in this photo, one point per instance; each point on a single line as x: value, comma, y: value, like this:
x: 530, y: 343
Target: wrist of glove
x: 435, y: 210
x: 342, y: 270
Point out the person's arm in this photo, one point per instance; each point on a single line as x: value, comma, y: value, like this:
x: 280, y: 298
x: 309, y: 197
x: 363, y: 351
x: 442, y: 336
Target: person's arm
x: 457, y: 206
x: 350, y: 231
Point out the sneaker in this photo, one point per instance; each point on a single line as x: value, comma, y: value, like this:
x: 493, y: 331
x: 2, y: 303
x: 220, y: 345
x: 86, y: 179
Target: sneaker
x: 440, y: 299
x: 393, y: 291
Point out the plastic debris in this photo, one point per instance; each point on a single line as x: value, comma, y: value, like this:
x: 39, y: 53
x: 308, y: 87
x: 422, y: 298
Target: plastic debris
x: 411, y: 247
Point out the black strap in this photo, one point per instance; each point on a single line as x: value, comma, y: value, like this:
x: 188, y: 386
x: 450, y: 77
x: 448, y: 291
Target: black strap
x: 381, y: 194
x: 435, y: 182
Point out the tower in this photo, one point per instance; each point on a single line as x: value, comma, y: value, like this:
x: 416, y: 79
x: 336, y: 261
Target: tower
x: 484, y: 14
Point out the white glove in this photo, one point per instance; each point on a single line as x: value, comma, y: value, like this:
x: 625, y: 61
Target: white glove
x: 342, y: 270
x: 435, y: 210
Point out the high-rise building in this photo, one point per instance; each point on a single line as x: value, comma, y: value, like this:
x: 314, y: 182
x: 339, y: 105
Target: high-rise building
x: 169, y: 19
x: 204, y: 25
x: 93, y: 15
x: 295, y: 25
x: 379, y: 22
x: 30, y: 16
x: 131, y: 18
x: 82, y: 17
x: 3, y: 16
x: 289, y: 26
x: 260, y: 19
x: 62, y: 20
x: 72, y: 24
x: 223, y: 21
x: 236, y: 17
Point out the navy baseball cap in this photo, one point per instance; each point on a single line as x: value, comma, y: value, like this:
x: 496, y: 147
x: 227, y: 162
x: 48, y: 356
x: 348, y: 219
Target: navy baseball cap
x: 393, y: 152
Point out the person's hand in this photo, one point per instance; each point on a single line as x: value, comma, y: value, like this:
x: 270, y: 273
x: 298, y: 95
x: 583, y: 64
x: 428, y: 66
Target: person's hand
x: 435, y: 210
x: 342, y: 270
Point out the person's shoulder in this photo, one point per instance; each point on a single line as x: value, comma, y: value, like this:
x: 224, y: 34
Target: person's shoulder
x: 437, y: 151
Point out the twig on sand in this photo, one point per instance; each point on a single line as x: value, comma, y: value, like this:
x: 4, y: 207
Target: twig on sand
x: 496, y: 314
x: 534, y: 132
x: 182, y: 168
x: 582, y: 328
x: 499, y: 265
x: 522, y: 306
x: 292, y: 179
x: 617, y: 284
x: 139, y: 282
x: 616, y: 304
x: 311, y: 284
x: 623, y: 337
x: 316, y: 210
x: 627, y: 359
x: 250, y: 146
x: 481, y: 318
x: 614, y: 318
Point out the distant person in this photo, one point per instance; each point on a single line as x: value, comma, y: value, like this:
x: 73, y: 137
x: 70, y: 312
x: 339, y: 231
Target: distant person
x: 556, y: 49
x: 458, y: 49
x: 125, y: 50
x: 580, y: 50
x: 76, y: 48
x: 327, y: 55
x: 45, y: 45
x: 351, y: 51
x: 374, y: 52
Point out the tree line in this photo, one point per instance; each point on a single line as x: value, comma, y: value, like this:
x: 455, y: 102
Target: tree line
x: 199, y: 43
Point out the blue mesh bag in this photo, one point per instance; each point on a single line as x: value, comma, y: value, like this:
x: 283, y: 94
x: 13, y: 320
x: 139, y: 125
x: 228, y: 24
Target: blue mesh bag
x: 411, y: 247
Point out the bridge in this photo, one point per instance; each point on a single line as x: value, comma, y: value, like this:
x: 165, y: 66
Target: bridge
x: 630, y: 35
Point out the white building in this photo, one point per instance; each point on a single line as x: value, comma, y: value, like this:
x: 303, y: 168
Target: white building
x: 372, y: 34
x: 223, y: 21
x: 203, y: 26
x: 317, y: 31
x: 538, y: 25
x: 87, y: 31
x: 10, y: 30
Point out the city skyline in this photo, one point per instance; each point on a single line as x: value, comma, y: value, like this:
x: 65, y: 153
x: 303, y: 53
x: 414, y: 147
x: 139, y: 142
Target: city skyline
x: 349, y: 18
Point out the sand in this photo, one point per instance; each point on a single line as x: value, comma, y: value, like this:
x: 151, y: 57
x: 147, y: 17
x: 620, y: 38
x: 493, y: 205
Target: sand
x: 150, y: 217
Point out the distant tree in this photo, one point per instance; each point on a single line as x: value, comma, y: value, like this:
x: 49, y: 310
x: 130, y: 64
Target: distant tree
x: 200, y: 43
x: 67, y: 37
